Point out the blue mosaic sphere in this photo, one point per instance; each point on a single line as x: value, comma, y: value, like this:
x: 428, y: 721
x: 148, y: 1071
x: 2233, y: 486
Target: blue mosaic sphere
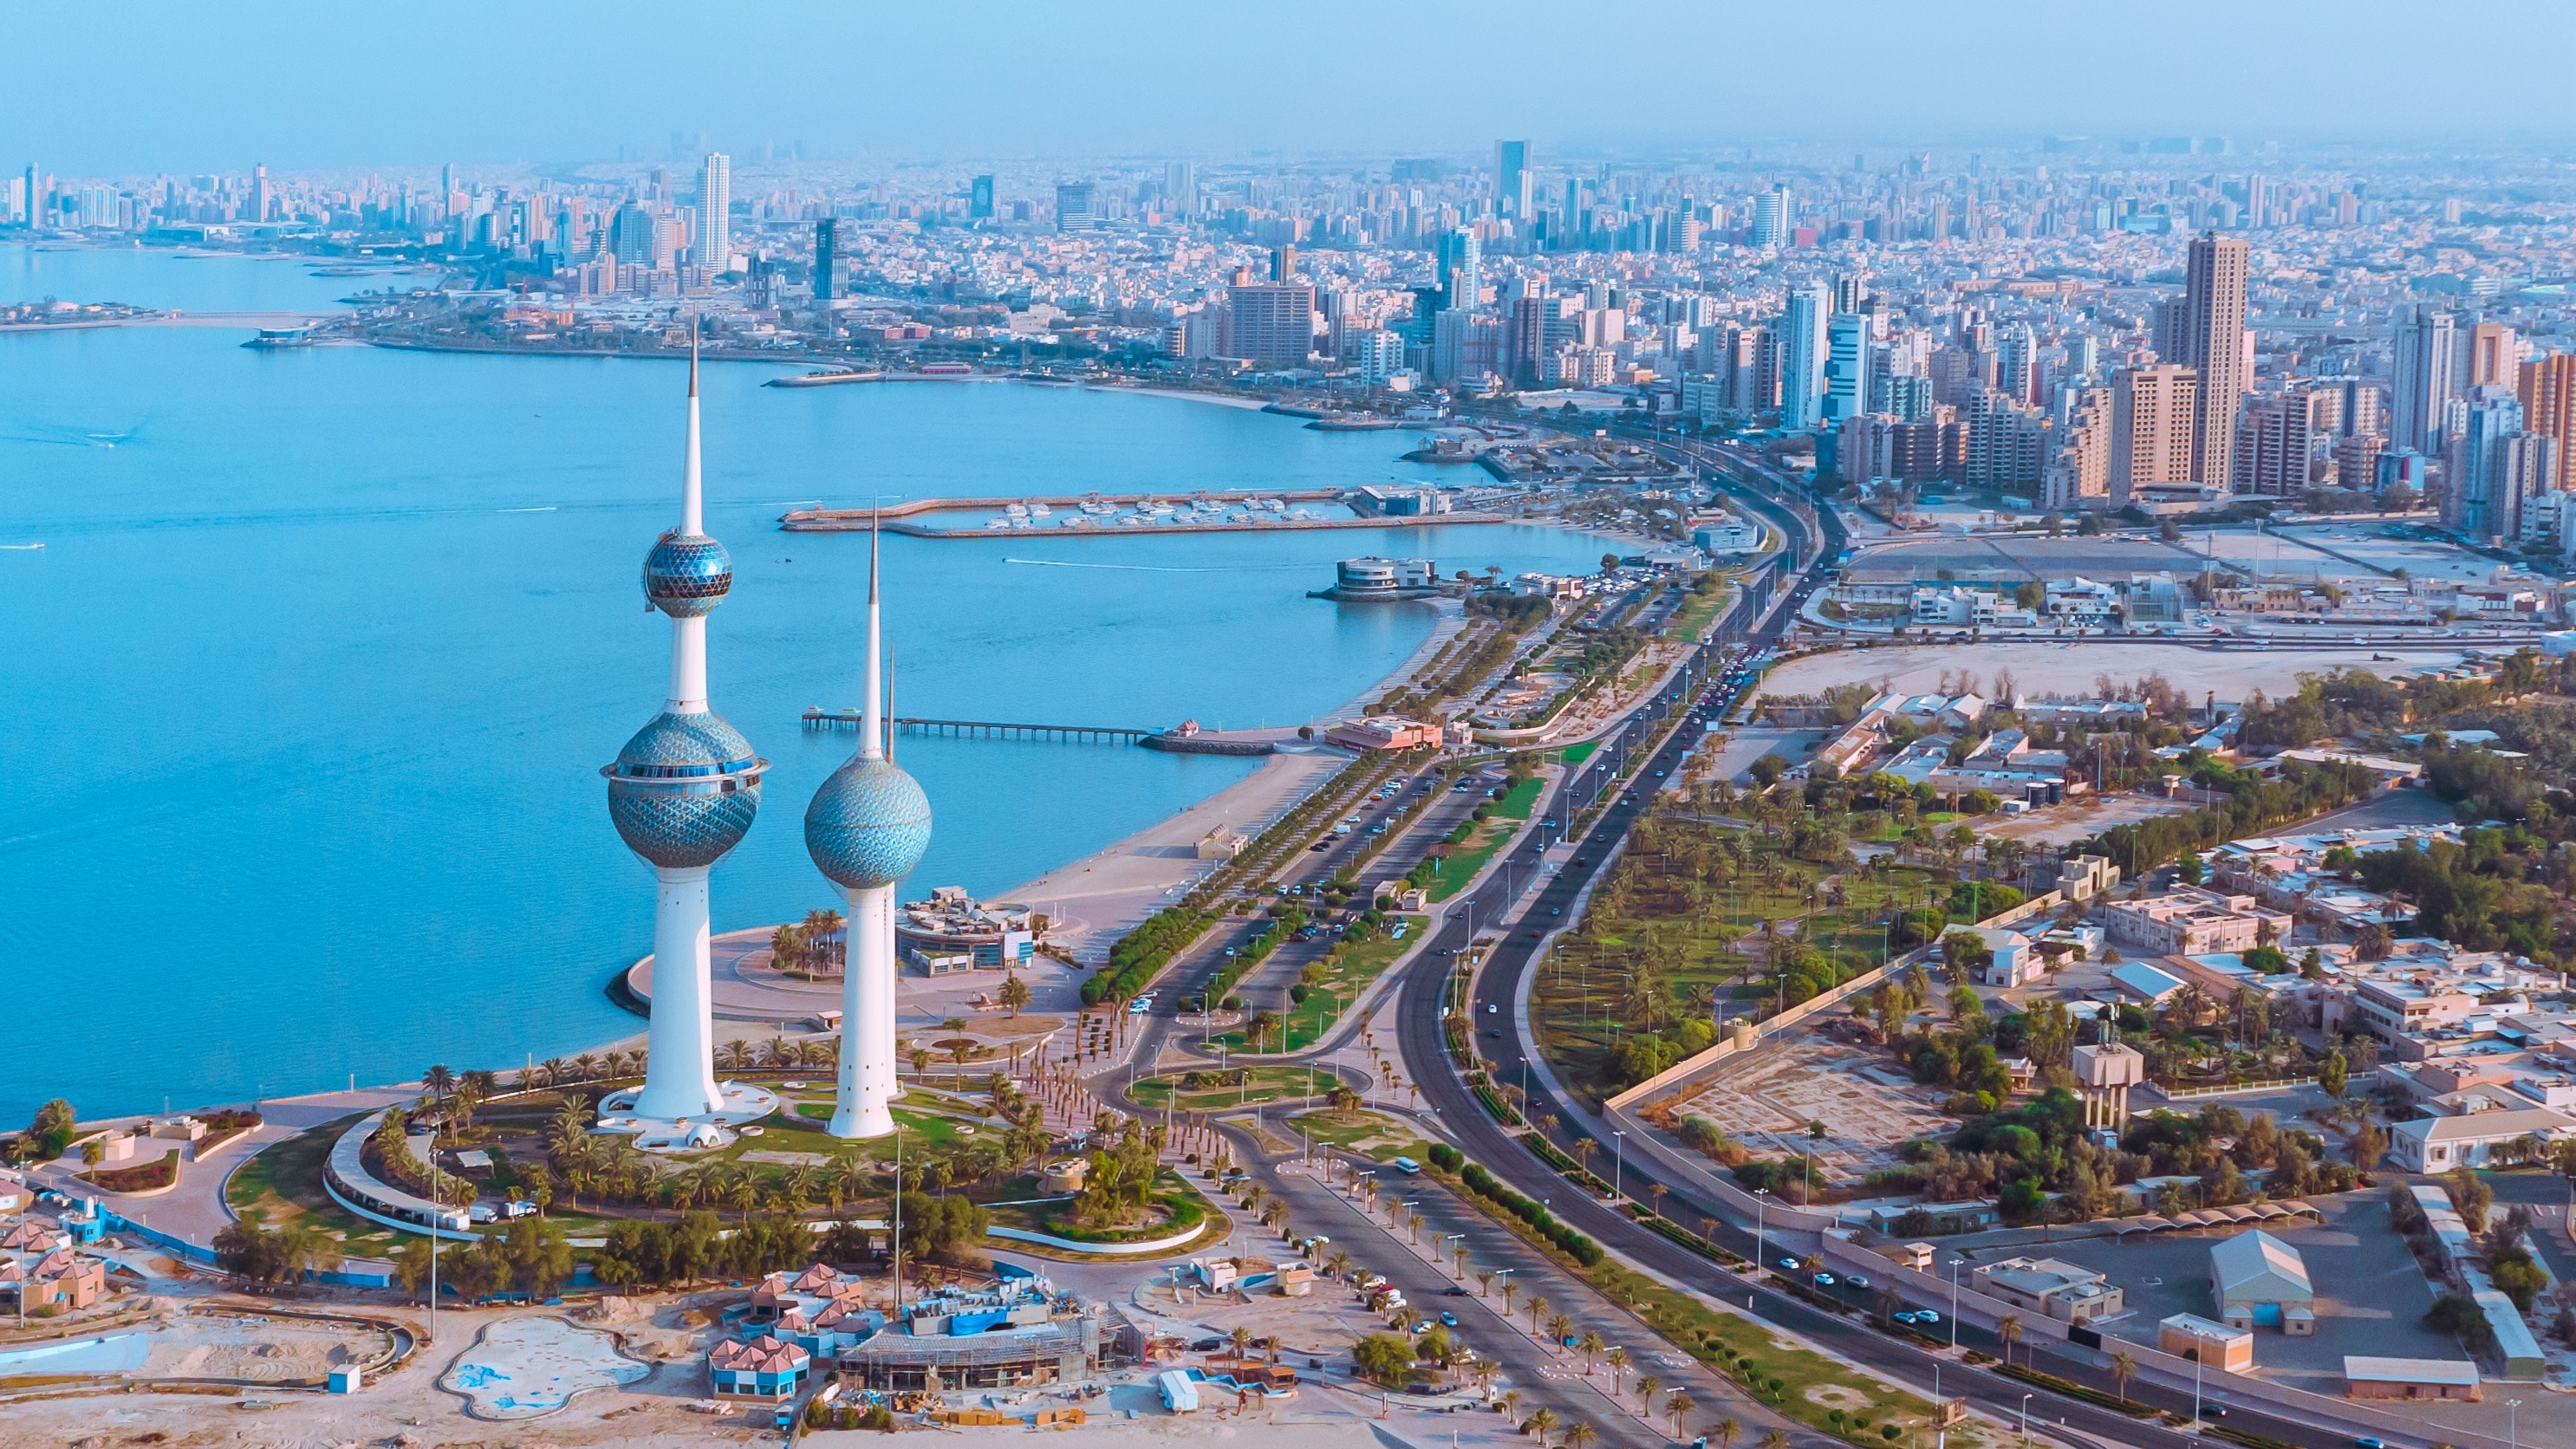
x: 687, y: 575
x: 868, y: 826
x: 684, y: 790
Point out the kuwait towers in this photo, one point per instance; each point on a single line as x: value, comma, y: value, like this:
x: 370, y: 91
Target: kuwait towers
x: 682, y: 793
x: 866, y: 830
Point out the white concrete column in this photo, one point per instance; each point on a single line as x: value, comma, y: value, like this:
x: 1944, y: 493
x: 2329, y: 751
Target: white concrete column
x: 866, y: 1082
x: 688, y: 666
x: 679, y: 1066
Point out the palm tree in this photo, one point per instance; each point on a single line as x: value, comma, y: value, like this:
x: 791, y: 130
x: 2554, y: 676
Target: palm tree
x: 1588, y: 1345
x: 1727, y: 1429
x: 1338, y: 1264
x: 1679, y: 1406
x: 1776, y: 1439
x: 1646, y: 1386
x: 1617, y: 1359
x: 1579, y: 1435
x: 1559, y: 1328
x: 1511, y: 1403
x: 1539, y: 1422
x: 556, y: 1072
x: 438, y: 1082
x: 2008, y: 1329
x: 1537, y: 1306
x: 1241, y: 1337
x: 2124, y: 1367
x: 1511, y: 1290
x: 1484, y: 1282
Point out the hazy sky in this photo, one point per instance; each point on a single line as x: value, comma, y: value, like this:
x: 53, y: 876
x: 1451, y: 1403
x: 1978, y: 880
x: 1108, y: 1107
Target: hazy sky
x: 101, y: 87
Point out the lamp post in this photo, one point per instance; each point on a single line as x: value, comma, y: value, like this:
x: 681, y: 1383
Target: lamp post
x: 2025, y: 1418
x: 1618, y: 1162
x: 2513, y: 1423
x: 1761, y: 1205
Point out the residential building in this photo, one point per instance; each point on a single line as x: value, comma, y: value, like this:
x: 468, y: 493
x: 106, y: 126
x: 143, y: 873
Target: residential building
x: 2151, y: 421
x: 1847, y: 362
x: 2190, y: 921
x: 714, y: 242
x: 1802, y: 357
x: 2077, y: 476
x: 2283, y: 441
x: 1273, y: 324
x: 2438, y: 1144
x: 2546, y: 389
x: 2214, y: 345
x: 2422, y: 366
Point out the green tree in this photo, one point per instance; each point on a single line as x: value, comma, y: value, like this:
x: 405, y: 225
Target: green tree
x: 1383, y: 1359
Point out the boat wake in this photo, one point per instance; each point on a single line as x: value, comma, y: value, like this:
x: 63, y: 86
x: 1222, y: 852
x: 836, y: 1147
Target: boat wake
x: 1058, y: 563
x: 549, y: 508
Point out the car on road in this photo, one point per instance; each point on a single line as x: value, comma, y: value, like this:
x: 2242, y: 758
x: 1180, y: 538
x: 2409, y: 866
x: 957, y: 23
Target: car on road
x: 1823, y: 1280
x: 1856, y: 1280
x: 1789, y: 1263
x: 1492, y: 1007
x: 1452, y: 1291
x: 1448, y: 1319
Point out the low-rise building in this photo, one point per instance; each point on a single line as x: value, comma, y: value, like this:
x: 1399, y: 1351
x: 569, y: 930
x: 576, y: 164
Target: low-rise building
x: 2068, y: 1292
x: 2258, y: 1279
x: 2411, y: 1378
x: 2438, y: 1144
x: 760, y: 1368
x: 2191, y: 921
x: 2188, y: 1335
x: 1384, y: 732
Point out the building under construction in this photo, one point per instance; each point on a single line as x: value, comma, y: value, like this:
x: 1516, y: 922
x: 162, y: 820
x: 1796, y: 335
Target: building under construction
x: 1003, y: 1356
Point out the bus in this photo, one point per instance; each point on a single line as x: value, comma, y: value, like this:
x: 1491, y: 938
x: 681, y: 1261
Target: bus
x: 1407, y: 1165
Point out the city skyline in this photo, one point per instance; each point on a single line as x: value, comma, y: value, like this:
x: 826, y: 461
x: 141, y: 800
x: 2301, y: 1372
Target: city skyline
x: 1032, y: 85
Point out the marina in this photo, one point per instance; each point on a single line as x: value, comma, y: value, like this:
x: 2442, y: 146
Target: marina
x: 1111, y: 514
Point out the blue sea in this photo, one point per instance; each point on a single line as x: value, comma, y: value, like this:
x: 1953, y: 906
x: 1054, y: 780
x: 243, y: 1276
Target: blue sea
x: 311, y: 682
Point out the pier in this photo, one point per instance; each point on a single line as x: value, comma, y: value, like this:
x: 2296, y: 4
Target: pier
x: 984, y: 728
x: 912, y: 517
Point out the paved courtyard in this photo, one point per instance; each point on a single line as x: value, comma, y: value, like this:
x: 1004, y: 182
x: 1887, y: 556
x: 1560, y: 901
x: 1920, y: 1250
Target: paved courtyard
x: 1868, y: 1104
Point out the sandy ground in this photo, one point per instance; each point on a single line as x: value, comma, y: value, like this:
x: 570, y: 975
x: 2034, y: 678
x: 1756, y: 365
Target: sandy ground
x: 2072, y: 669
x: 2084, y: 816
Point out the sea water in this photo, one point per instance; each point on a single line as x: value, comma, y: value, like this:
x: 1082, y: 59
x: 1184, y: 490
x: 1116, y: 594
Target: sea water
x: 310, y: 686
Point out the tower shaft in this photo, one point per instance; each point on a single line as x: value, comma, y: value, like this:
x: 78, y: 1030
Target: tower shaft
x: 679, y: 1063
x: 862, y: 1106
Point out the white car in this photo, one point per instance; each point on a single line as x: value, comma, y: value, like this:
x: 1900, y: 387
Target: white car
x: 1856, y: 1280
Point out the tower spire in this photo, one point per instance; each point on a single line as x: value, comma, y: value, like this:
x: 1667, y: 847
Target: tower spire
x: 692, y: 506
x: 872, y: 712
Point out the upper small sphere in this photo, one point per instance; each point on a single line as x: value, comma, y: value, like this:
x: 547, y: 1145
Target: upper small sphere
x: 869, y: 825
x: 687, y: 575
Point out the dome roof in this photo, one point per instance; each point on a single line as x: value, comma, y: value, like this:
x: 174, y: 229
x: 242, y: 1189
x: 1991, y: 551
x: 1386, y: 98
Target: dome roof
x: 684, y: 790
x: 869, y: 825
x: 687, y: 575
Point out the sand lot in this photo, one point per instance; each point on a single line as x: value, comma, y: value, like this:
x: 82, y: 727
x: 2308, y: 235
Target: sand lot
x: 2071, y: 669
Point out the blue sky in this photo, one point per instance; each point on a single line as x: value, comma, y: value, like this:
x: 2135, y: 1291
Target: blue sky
x: 157, y: 85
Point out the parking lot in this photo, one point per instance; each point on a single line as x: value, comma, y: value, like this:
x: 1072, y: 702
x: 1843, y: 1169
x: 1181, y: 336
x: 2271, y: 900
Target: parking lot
x: 2370, y: 1296
x: 1869, y: 1107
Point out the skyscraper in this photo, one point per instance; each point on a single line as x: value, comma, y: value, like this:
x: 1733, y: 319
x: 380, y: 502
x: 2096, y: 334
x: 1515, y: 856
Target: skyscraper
x: 2017, y: 364
x: 2493, y: 359
x: 1802, y: 356
x: 1074, y: 203
x: 2548, y: 397
x: 2478, y: 497
x: 1181, y: 187
x: 867, y: 828
x: 261, y: 202
x: 2422, y: 380
x: 682, y: 793
x: 827, y: 259
x: 979, y: 199
x: 1771, y: 217
x: 714, y: 242
x: 1459, y: 261
x: 1512, y: 179
x: 2213, y: 345
x: 1846, y: 368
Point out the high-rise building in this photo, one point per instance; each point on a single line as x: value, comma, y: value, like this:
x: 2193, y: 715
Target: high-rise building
x: 2477, y: 497
x: 2421, y: 368
x: 1771, y: 217
x: 979, y: 199
x: 682, y: 793
x: 1273, y: 324
x: 2547, y: 392
x: 2152, y: 412
x: 2493, y: 359
x: 866, y: 829
x: 263, y: 204
x: 2213, y: 345
x: 2017, y: 364
x: 2077, y: 475
x: 1181, y: 188
x: 1847, y: 356
x: 633, y: 235
x: 2283, y: 440
x: 1076, y: 204
x: 1375, y: 356
x: 1802, y: 356
x: 1851, y: 289
x: 1459, y: 264
x: 1512, y: 179
x: 714, y: 243
x: 827, y: 259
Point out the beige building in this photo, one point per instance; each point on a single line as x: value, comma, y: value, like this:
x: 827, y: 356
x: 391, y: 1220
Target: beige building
x: 2151, y: 416
x: 2215, y: 344
x: 2191, y: 921
x: 2067, y: 1292
x: 2188, y: 1335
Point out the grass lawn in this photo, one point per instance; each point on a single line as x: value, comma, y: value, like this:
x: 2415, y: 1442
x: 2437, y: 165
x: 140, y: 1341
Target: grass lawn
x: 1268, y: 1084
x: 1365, y: 1132
x: 1696, y: 615
x: 795, y: 1135
x: 1577, y: 754
x: 283, y: 1181
x: 1350, y: 975
x: 1576, y: 998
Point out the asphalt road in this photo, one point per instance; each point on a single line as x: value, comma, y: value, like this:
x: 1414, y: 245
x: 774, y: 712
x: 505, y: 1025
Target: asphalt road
x: 1501, y: 982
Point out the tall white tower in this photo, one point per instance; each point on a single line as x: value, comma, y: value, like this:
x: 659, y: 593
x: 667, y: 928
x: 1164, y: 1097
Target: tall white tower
x: 682, y: 793
x: 714, y: 241
x: 866, y: 829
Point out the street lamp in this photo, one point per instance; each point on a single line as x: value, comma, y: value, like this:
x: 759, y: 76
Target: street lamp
x: 1955, y: 1263
x: 2513, y: 1423
x: 1761, y: 1205
x: 1618, y: 1162
x: 2025, y: 1418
